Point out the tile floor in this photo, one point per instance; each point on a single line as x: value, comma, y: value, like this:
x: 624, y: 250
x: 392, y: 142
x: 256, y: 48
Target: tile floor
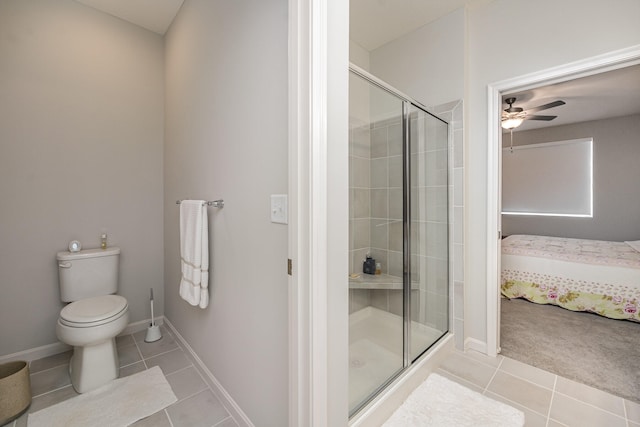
x: 197, y: 405
x: 545, y: 398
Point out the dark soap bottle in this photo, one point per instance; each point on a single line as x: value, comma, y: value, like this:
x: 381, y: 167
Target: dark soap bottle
x: 369, y: 265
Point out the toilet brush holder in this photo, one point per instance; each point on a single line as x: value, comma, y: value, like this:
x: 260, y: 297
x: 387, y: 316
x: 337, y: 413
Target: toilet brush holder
x: 153, y: 334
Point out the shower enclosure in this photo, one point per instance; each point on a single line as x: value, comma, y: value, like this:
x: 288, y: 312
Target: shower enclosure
x: 398, y: 242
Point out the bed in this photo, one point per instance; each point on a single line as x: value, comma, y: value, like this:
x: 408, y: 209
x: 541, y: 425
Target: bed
x: 577, y: 274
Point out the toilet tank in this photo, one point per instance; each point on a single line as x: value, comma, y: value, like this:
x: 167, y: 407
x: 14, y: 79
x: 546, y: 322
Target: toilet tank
x: 88, y: 273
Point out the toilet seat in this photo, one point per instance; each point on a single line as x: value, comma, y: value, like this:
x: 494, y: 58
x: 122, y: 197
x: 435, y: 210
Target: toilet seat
x: 95, y: 311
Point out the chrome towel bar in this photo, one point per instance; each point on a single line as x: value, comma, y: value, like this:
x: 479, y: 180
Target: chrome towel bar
x: 215, y: 203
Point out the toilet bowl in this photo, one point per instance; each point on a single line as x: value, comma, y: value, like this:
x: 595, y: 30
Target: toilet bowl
x: 94, y: 316
x: 90, y: 325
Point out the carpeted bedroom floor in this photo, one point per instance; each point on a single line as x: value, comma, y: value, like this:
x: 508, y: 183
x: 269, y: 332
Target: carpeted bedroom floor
x: 594, y: 350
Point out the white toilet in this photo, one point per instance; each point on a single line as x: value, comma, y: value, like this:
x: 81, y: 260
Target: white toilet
x: 94, y: 317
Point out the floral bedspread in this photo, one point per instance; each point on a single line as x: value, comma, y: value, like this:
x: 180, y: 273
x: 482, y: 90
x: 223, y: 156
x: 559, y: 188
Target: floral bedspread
x: 609, y: 300
x: 574, y: 250
x: 617, y: 297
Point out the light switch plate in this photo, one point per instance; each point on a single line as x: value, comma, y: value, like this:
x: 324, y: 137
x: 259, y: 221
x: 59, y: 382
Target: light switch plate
x: 279, y: 208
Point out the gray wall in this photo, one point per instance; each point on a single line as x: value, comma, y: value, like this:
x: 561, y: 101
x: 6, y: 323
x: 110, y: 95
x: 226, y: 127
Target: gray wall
x: 616, y: 176
x: 429, y: 65
x: 485, y: 64
x: 226, y: 137
x: 81, y: 113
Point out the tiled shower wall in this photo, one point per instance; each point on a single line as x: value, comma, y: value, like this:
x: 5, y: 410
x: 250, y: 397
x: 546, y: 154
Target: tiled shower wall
x: 359, y: 196
x: 376, y: 217
x: 453, y: 114
x: 376, y: 208
x: 385, y: 173
x: 429, y: 169
x: 376, y: 160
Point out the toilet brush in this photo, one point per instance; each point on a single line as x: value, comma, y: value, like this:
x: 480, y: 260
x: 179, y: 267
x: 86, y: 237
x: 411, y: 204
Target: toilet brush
x: 153, y: 332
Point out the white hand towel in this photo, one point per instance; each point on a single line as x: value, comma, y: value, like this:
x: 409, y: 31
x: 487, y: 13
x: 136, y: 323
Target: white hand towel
x: 194, y: 252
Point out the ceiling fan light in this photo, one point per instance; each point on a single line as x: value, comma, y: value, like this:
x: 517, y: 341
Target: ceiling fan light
x: 511, y: 123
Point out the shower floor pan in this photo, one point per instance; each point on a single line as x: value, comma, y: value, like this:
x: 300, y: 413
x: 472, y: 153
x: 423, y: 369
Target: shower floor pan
x: 375, y: 349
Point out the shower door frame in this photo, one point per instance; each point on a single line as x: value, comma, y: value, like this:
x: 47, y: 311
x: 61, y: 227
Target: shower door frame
x: 407, y: 104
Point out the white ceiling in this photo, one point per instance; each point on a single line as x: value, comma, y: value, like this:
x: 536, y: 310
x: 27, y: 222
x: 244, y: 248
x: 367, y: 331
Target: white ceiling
x: 600, y: 96
x: 374, y: 23
x: 154, y: 15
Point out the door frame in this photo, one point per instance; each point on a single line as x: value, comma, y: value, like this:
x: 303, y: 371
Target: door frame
x: 318, y: 64
x: 594, y: 65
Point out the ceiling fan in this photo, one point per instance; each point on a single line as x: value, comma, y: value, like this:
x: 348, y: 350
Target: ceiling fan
x: 513, y: 117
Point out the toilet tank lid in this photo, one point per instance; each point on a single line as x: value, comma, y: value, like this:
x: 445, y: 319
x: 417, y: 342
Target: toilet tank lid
x: 87, y: 253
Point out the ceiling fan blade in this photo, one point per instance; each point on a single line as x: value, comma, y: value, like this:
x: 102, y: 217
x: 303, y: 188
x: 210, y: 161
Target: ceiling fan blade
x: 538, y: 117
x: 546, y: 106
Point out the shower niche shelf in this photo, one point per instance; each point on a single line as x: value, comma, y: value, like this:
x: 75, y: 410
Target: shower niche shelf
x: 378, y: 281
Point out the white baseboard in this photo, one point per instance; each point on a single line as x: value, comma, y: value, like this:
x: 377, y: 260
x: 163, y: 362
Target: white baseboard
x: 225, y: 398
x: 142, y: 325
x: 37, y: 353
x: 476, y: 345
x: 59, y: 347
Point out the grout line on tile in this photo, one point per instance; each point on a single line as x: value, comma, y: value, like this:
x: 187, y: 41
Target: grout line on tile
x: 167, y: 414
x: 141, y: 356
x: 593, y: 406
x: 202, y: 377
x: 624, y: 409
x: 159, y: 354
x: 197, y: 393
x: 180, y: 370
x: 494, y: 375
x: 462, y: 380
x: 528, y: 380
x: 465, y: 355
x: 222, y: 420
x: 50, y: 391
x: 513, y: 402
x: 130, y: 364
x: 557, y: 422
x: 205, y: 378
x: 553, y: 393
x: 48, y: 369
x: 133, y: 335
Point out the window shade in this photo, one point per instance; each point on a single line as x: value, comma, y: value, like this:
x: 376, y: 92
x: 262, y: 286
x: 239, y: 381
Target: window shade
x: 553, y: 178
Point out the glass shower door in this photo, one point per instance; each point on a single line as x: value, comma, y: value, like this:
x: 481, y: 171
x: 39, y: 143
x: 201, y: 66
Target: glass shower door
x: 376, y: 239
x: 398, y: 235
x: 429, y: 230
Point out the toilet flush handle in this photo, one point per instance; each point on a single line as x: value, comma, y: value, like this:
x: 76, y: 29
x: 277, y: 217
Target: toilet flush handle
x: 64, y: 264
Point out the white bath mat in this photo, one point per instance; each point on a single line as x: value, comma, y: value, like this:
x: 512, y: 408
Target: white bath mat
x: 443, y: 403
x: 117, y: 404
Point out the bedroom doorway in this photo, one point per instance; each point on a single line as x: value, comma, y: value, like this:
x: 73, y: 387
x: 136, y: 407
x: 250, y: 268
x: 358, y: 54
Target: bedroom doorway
x: 536, y: 81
